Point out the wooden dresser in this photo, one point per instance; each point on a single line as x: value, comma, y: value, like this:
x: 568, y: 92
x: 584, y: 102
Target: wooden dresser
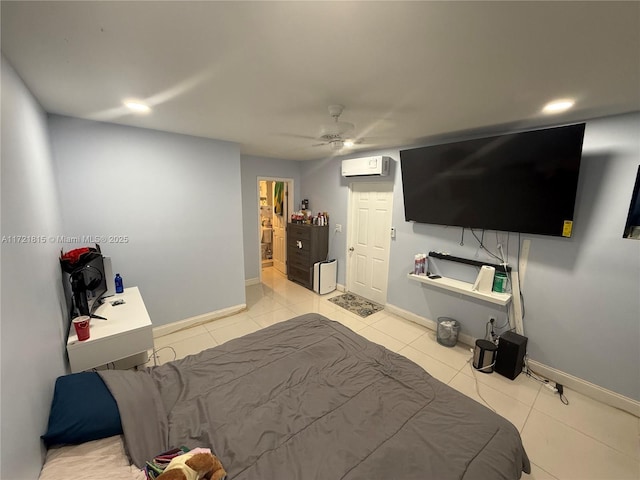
x: 306, y: 245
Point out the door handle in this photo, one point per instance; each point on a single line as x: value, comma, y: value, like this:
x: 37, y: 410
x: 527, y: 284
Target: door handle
x: 351, y: 249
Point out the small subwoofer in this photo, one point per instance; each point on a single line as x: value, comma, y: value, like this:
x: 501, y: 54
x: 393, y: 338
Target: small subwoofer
x: 511, y: 351
x: 484, y: 356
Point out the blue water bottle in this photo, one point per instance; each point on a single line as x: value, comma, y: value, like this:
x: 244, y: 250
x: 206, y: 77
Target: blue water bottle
x: 119, y: 286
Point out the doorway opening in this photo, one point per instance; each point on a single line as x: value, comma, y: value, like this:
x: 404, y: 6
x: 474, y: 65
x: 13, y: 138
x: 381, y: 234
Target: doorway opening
x: 275, y: 202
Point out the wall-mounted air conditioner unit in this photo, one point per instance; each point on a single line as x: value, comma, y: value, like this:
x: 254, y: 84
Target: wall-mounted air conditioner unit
x: 371, y: 166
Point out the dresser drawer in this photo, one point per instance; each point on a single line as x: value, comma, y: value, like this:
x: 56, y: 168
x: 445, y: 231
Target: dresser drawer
x: 292, y: 242
x: 304, y: 252
x: 300, y: 275
x: 295, y: 254
x: 298, y: 232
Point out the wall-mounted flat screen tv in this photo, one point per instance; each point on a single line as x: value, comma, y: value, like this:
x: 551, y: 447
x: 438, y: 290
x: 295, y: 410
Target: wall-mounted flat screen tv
x: 520, y: 182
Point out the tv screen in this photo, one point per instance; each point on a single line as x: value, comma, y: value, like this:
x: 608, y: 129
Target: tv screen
x: 521, y: 182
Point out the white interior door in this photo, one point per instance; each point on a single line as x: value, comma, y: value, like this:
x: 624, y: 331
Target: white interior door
x: 370, y: 212
x: 279, y: 239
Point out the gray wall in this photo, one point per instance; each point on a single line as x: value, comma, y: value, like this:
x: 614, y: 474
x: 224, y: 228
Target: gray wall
x: 32, y: 332
x: 253, y: 168
x: 582, y: 295
x: 177, y: 198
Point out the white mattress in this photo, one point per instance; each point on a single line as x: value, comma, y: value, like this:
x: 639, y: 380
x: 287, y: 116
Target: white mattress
x: 97, y: 460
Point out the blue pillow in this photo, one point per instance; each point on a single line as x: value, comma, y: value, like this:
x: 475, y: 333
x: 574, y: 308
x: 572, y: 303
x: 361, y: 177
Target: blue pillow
x: 82, y: 409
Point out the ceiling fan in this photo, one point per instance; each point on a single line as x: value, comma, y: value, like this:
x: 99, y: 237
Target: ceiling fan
x: 336, y: 133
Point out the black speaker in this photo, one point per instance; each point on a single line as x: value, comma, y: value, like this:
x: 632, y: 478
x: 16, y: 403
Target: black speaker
x: 511, y: 350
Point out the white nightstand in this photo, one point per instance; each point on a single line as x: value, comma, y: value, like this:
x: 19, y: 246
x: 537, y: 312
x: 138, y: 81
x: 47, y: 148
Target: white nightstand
x: 126, y: 332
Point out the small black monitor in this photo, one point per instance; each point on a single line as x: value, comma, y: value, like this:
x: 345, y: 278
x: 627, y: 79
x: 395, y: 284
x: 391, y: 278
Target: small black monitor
x: 83, y: 280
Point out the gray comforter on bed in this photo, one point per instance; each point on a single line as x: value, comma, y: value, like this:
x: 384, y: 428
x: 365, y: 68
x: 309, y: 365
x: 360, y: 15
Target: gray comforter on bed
x: 310, y: 399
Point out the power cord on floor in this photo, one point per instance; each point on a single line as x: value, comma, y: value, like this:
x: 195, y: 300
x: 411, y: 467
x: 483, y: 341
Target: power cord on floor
x: 548, y: 384
x: 560, y: 390
x: 156, y: 358
x: 475, y: 379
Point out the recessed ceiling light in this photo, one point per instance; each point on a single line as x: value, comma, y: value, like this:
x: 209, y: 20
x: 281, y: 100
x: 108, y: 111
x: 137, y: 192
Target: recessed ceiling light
x: 558, y: 106
x: 137, y: 107
x: 348, y: 143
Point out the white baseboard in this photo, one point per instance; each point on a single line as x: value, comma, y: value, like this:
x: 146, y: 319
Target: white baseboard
x: 255, y: 281
x: 579, y: 385
x: 587, y: 388
x: 425, y: 322
x: 197, y: 320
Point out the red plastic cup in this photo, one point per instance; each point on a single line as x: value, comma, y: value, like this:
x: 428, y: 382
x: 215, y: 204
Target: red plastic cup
x: 81, y: 325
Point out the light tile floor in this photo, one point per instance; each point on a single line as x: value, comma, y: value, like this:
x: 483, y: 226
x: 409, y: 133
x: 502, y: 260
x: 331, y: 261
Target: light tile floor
x: 584, y: 440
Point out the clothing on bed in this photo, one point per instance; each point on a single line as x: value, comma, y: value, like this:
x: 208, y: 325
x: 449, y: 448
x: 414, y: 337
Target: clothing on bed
x: 310, y: 399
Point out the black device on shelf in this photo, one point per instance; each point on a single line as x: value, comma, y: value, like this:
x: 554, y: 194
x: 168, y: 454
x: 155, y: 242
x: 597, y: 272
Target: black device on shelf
x: 475, y: 263
x: 520, y: 182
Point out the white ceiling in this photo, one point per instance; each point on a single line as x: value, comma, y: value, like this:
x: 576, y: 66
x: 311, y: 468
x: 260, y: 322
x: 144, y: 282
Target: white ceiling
x: 262, y: 74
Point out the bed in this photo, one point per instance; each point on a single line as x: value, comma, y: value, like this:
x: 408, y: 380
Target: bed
x: 310, y: 399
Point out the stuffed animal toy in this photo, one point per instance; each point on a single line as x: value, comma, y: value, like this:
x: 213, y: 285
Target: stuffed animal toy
x: 196, y: 464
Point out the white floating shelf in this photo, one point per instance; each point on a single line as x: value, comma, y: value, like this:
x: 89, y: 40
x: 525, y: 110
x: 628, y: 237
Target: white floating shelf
x: 464, y: 288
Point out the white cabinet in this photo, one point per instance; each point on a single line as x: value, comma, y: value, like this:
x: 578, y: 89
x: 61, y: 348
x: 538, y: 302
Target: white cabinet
x: 127, y: 331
